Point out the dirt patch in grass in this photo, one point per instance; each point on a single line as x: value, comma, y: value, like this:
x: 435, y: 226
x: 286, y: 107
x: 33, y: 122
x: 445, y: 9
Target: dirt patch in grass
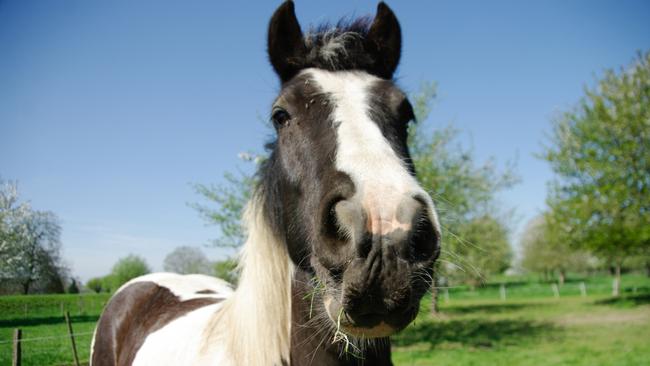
x: 637, y: 316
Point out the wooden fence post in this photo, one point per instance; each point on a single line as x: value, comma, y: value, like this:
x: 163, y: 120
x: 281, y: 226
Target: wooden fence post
x: 556, y: 291
x: 583, y: 289
x: 74, y: 347
x: 446, y: 294
x: 17, y: 348
x: 502, y: 291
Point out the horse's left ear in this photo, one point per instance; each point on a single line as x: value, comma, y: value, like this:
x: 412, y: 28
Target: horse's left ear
x: 385, y: 38
x: 285, y: 43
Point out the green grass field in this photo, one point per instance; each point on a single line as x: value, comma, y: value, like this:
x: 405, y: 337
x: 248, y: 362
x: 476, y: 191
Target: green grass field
x: 531, y: 327
x: 40, y: 317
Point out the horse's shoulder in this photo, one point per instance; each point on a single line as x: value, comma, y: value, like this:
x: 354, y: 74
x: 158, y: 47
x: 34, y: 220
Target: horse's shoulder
x: 145, y: 305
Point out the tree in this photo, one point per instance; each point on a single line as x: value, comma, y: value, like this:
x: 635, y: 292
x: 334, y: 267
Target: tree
x: 29, y: 244
x: 537, y: 255
x: 226, y: 270
x: 127, y: 268
x: 230, y: 199
x: 186, y: 260
x: 545, y: 253
x: 95, y: 284
x: 640, y: 261
x: 464, y: 192
x: 488, y: 250
x: 109, y: 283
x: 73, y: 288
x: 600, y: 153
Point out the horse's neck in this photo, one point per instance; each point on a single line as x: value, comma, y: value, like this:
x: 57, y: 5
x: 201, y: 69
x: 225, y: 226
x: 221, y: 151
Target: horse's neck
x: 266, y: 321
x: 312, y: 341
x: 255, y: 322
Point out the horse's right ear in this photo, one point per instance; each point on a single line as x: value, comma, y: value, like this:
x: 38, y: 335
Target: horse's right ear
x: 286, y: 47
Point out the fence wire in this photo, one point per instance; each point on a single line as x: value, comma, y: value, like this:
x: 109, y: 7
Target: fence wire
x: 67, y: 336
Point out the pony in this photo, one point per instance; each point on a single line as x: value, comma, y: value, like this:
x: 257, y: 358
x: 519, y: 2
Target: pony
x: 341, y: 238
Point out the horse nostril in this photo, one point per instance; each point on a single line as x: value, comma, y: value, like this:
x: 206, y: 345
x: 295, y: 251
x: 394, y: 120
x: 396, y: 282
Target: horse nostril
x: 331, y: 225
x: 364, y: 246
x: 423, y: 240
x: 344, y: 220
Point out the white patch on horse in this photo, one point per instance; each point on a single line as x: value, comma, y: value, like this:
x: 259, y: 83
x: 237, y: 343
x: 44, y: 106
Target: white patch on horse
x: 180, y: 342
x: 187, y: 287
x: 380, y: 176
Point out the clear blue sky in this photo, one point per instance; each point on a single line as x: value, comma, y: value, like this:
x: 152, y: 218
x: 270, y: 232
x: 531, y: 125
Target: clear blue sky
x: 109, y: 110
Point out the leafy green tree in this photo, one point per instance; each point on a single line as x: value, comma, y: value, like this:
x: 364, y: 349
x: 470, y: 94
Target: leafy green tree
x: 230, y: 198
x: 640, y: 261
x: 544, y: 253
x: 226, y: 270
x: 73, y: 288
x: 225, y: 209
x: 488, y: 250
x: 96, y: 284
x: 127, y: 268
x: 109, y: 283
x: 464, y: 192
x: 186, y: 260
x: 600, y: 153
x: 538, y: 256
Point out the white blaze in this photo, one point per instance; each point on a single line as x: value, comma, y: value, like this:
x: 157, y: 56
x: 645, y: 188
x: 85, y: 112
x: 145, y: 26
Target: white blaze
x: 381, y: 178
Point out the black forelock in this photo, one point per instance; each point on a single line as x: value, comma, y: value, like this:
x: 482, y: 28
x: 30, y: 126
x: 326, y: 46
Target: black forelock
x: 341, y: 46
x: 360, y: 25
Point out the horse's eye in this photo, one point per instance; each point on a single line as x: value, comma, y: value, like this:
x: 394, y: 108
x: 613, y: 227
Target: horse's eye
x: 280, y: 117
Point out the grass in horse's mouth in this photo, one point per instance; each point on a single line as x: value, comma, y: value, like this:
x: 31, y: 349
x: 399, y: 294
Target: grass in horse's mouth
x: 319, y: 286
x: 340, y: 336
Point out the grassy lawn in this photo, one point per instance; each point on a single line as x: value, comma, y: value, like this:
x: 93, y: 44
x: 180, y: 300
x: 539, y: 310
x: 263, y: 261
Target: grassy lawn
x: 531, y: 327
x: 480, y: 329
x: 41, y: 320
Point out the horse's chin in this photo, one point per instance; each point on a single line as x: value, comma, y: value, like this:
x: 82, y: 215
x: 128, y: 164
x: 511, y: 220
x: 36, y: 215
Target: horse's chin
x: 337, y: 314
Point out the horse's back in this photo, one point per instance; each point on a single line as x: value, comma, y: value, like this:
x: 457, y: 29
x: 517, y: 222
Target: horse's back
x: 151, y: 305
